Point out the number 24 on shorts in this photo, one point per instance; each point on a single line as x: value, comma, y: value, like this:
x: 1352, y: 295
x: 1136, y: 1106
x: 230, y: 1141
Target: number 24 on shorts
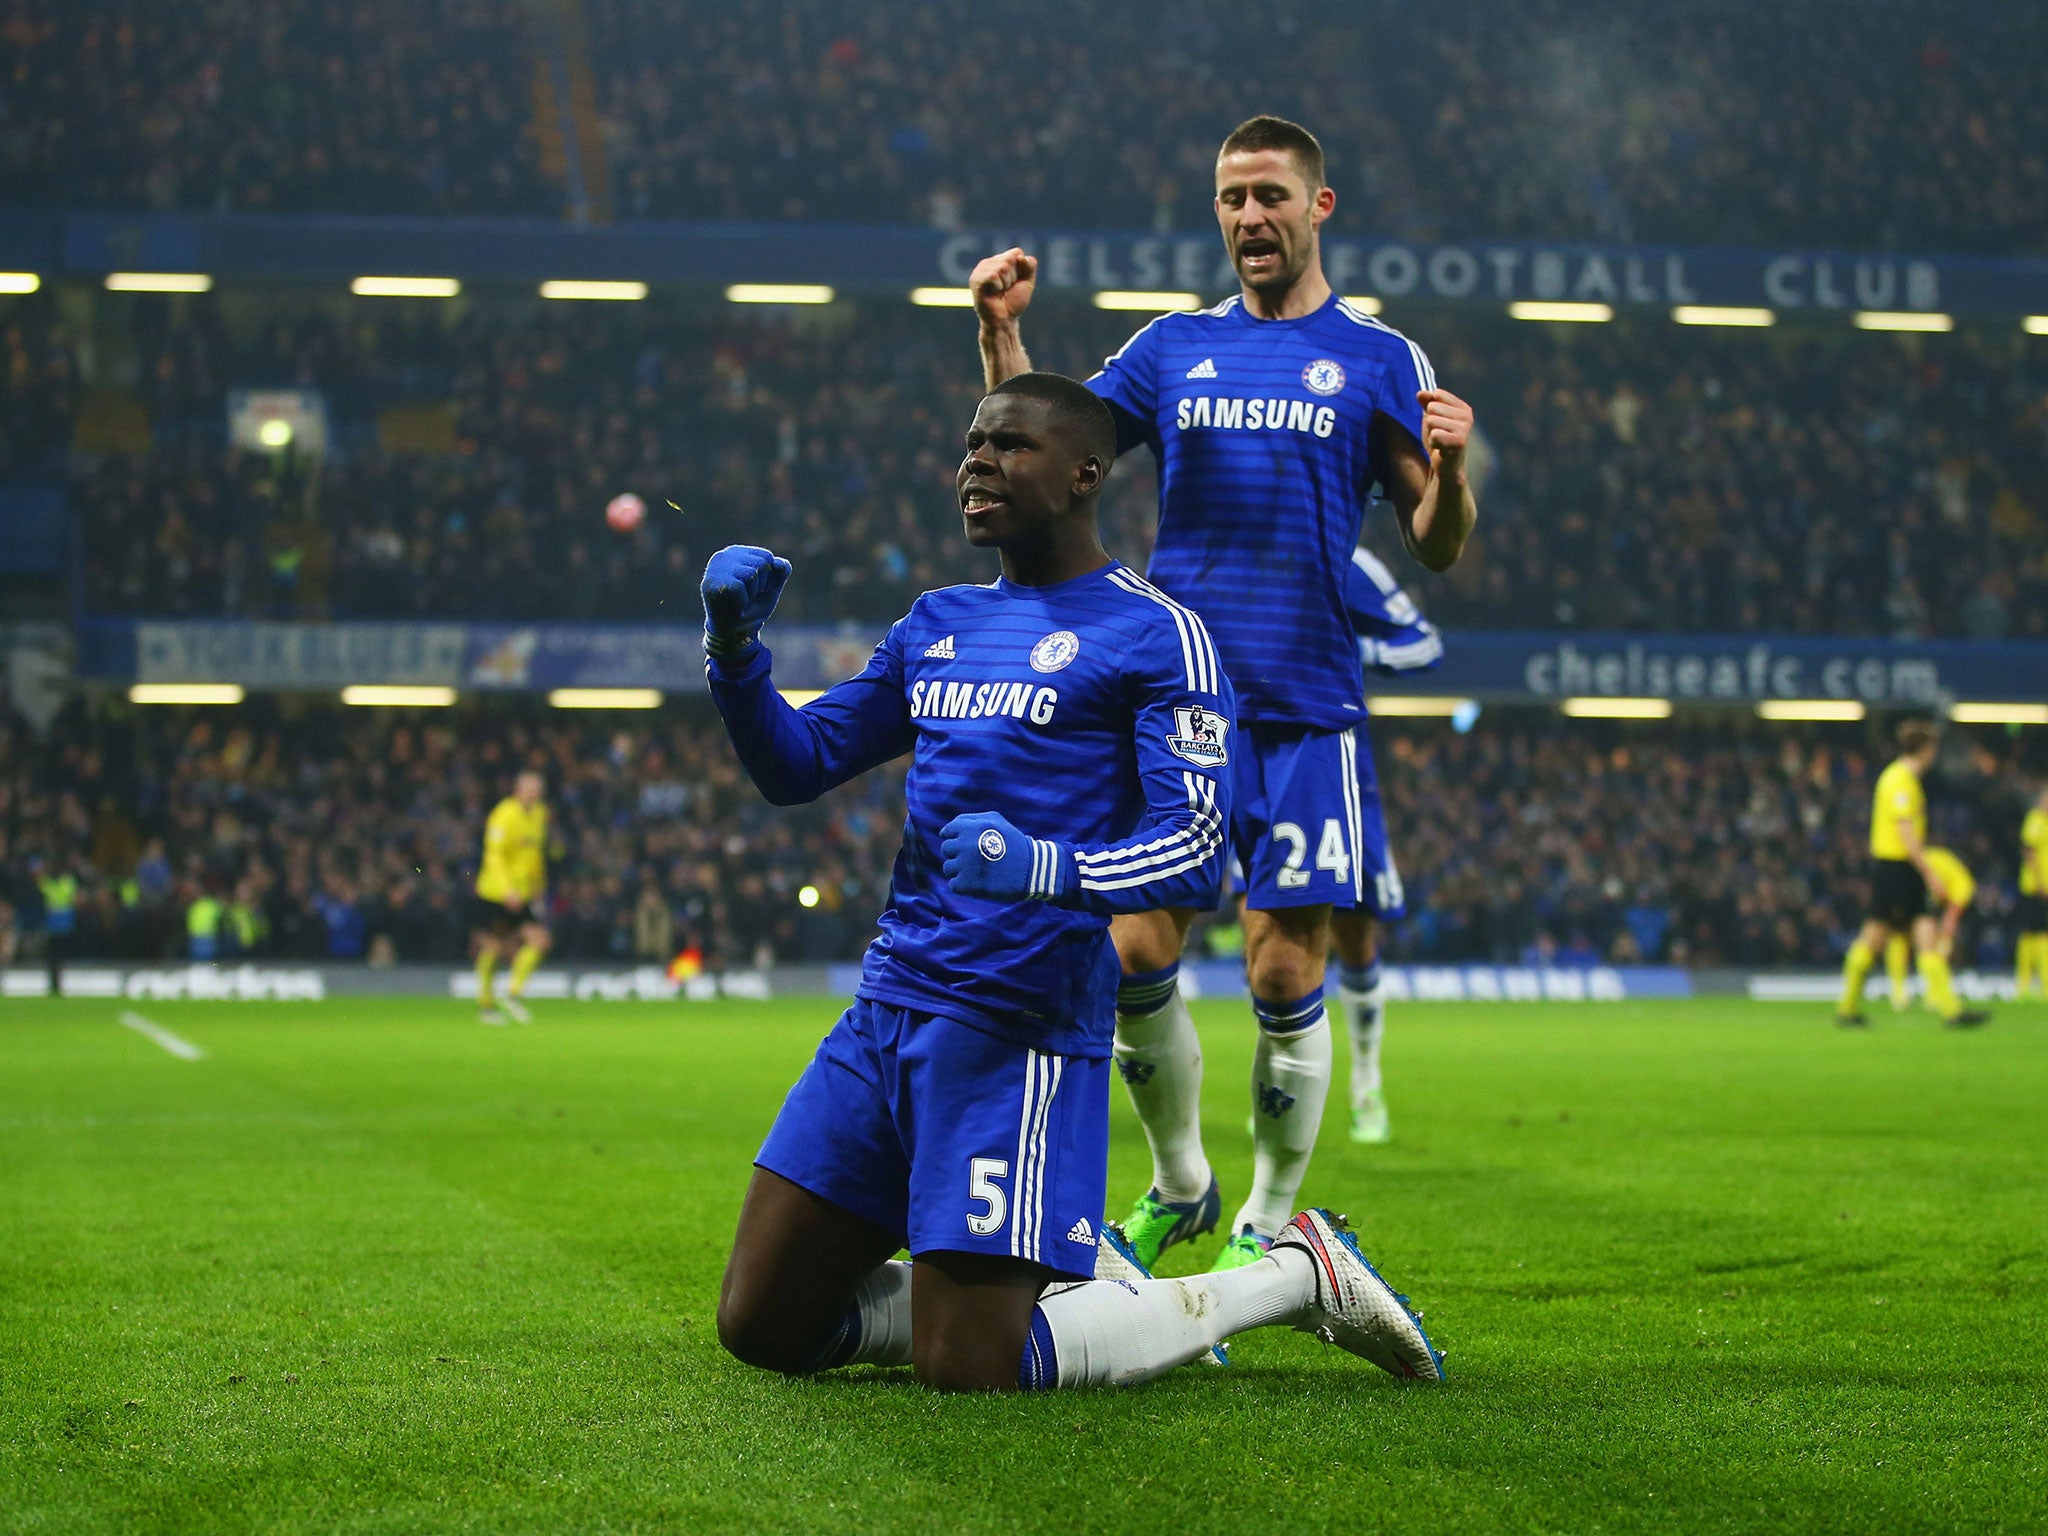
x: 1333, y: 853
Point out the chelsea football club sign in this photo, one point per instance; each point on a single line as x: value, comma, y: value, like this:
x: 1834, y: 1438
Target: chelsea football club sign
x: 890, y: 258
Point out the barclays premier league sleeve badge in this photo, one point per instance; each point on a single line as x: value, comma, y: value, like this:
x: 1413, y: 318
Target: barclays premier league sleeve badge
x: 1198, y: 735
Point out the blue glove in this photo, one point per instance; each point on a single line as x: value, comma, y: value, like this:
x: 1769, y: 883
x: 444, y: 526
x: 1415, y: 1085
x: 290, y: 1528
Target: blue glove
x: 741, y: 585
x: 984, y: 855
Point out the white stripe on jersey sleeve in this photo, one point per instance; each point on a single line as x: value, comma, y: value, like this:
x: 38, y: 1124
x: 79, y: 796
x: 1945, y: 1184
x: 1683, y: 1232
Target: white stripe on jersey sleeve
x: 1210, y: 670
x: 1194, y: 638
x: 1204, y: 670
x: 1375, y: 570
x: 1187, y: 653
x: 1132, y: 341
x: 1201, y: 800
x: 1207, y: 838
x: 1423, y: 371
x: 1417, y: 653
x: 1205, y: 831
x: 1045, y: 869
x: 1193, y: 861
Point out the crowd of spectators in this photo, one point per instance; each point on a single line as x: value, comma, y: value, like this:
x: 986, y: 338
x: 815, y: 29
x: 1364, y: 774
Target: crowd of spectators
x: 333, y: 834
x: 1687, y: 846
x: 1640, y: 476
x: 1888, y: 124
x: 322, y: 835
x: 1685, y: 121
x: 333, y: 106
x: 1649, y: 478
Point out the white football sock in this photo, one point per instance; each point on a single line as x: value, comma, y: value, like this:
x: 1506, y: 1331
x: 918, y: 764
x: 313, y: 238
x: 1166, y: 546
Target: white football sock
x: 1116, y: 1333
x: 1366, y: 1012
x: 1290, y: 1082
x: 877, y: 1327
x: 1159, y: 1057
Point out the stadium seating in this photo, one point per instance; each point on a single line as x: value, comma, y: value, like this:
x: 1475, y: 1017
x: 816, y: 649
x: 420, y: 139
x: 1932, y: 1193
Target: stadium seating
x: 1900, y: 127
x: 347, y: 834
x: 1701, y: 125
x: 389, y: 106
x: 352, y: 838
x: 1643, y: 476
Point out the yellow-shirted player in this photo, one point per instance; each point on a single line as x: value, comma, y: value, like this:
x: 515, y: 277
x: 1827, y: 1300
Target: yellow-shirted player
x: 1958, y: 891
x: 2033, y: 911
x: 510, y: 881
x: 1901, y: 882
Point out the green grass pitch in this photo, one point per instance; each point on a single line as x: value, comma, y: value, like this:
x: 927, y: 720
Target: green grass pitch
x: 1705, y: 1266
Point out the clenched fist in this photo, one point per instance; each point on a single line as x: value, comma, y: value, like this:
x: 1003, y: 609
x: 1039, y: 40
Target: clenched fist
x: 1002, y: 286
x: 1446, y: 430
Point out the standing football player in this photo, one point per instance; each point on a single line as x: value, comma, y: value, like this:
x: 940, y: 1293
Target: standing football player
x: 1393, y: 638
x: 507, y: 914
x: 1901, y: 882
x: 2032, y: 917
x: 1069, y: 730
x: 1273, y: 416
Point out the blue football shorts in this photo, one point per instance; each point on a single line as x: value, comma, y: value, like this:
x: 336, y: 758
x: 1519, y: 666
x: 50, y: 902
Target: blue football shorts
x: 955, y: 1139
x: 1307, y: 826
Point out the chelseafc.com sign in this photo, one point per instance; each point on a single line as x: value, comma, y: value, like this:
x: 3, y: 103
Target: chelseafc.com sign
x: 1750, y: 672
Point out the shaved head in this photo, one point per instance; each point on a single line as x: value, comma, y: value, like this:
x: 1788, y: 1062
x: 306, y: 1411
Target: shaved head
x: 1076, y: 409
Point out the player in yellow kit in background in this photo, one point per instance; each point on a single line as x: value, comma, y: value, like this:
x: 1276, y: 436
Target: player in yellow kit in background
x: 1901, y: 882
x: 2033, y: 910
x: 1958, y: 891
x: 507, y: 913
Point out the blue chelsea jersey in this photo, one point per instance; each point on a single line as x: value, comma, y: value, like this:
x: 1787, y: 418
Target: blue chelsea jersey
x: 1271, y: 437
x: 1093, y: 714
x: 1393, y: 636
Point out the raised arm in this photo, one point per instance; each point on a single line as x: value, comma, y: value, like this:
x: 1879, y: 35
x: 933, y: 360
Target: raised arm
x: 1432, y: 498
x: 1176, y: 855
x: 792, y: 755
x: 1002, y: 287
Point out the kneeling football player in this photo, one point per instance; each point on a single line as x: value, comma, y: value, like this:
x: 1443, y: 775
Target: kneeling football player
x: 1070, y: 730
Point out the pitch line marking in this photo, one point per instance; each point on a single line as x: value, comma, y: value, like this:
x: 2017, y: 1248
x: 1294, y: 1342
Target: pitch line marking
x: 149, y: 1029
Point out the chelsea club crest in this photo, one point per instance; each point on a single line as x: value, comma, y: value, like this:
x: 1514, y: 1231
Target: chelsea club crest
x: 1323, y: 376
x: 1056, y: 650
x: 1198, y: 735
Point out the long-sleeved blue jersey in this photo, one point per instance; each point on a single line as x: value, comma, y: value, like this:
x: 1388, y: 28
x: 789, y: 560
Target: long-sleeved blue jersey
x: 1270, y: 435
x: 1093, y: 714
x: 1393, y: 636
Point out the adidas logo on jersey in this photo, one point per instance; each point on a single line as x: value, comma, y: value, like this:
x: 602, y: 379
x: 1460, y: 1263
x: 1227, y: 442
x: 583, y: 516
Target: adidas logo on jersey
x: 1081, y: 1232
x: 1205, y: 369
x: 940, y: 650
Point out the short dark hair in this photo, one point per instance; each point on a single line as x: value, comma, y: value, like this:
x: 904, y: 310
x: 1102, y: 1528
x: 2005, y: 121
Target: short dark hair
x: 1075, y: 406
x: 1916, y: 735
x: 1257, y: 133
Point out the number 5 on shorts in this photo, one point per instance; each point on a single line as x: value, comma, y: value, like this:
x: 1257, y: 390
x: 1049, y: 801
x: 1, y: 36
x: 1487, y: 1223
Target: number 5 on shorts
x: 982, y: 1173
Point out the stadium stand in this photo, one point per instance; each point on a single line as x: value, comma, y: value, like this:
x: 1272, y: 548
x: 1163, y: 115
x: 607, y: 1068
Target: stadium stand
x: 1888, y: 125
x: 1872, y: 126
x: 1644, y: 477
x: 313, y: 835
x: 389, y: 106
x: 324, y: 833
